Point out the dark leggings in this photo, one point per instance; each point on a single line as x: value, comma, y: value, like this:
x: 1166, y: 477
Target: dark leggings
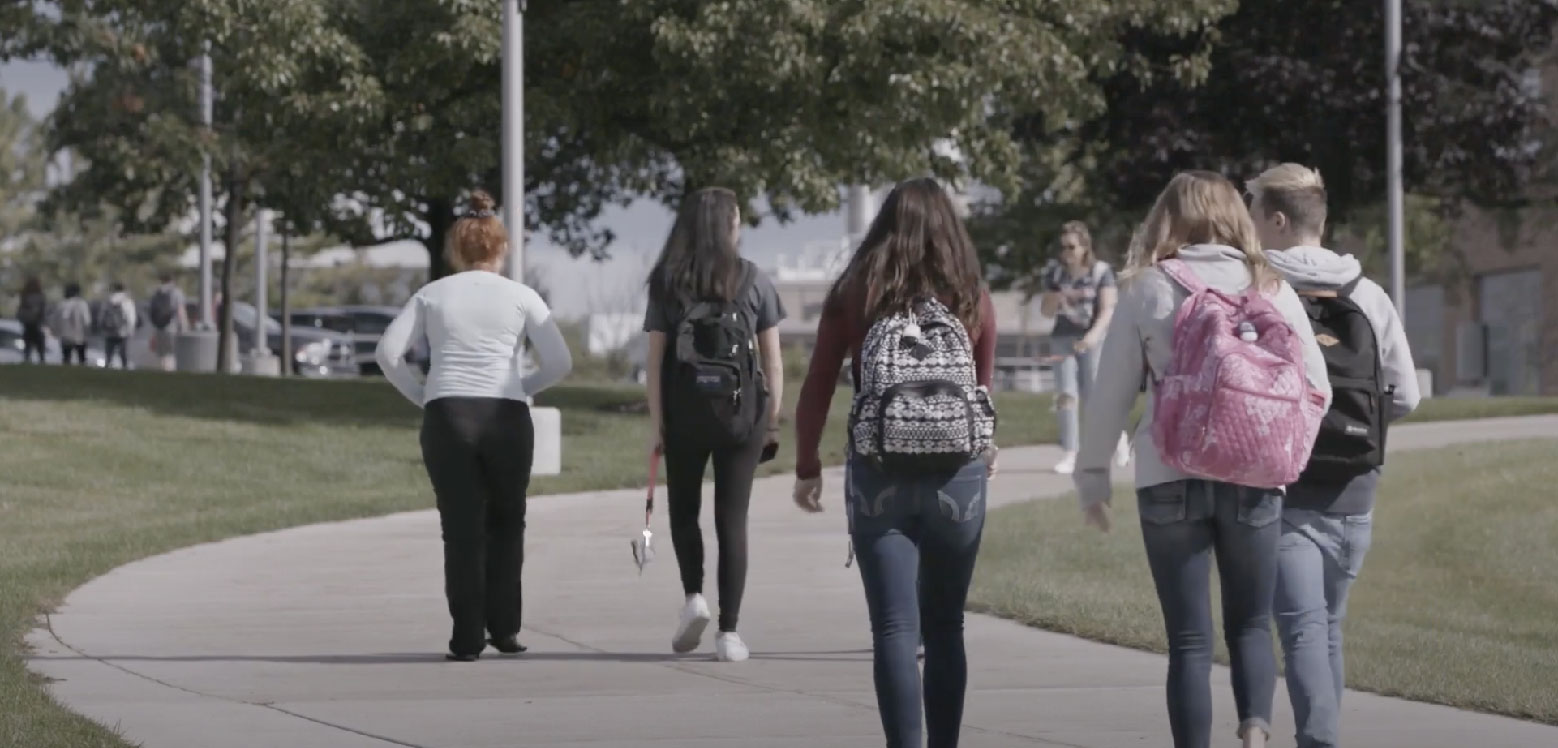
x: 734, y: 467
x: 79, y: 350
x: 121, y: 346
x: 33, y: 341
x: 478, y: 452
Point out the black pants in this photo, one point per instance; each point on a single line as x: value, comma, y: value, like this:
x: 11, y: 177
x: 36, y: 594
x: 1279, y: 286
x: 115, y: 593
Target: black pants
x: 33, y: 341
x: 734, y: 467
x: 120, y: 345
x: 478, y: 452
x: 79, y: 350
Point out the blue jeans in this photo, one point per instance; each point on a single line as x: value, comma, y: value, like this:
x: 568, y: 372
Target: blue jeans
x: 1074, y: 377
x: 916, y: 538
x: 1318, y: 558
x: 1182, y: 523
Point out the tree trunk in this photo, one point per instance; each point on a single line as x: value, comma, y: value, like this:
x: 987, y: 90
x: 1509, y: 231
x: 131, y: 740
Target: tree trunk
x: 440, y: 217
x: 227, y: 341
x: 287, y: 361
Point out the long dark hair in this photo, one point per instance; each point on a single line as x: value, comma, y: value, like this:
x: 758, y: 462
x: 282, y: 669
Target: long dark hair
x: 916, y: 248
x: 32, y: 285
x: 701, y: 259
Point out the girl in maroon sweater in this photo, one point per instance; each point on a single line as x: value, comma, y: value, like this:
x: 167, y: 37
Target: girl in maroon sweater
x: 916, y: 535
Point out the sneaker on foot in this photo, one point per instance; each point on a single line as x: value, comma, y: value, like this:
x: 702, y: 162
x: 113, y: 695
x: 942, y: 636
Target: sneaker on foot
x: 1067, y: 464
x: 728, y: 647
x: 695, y: 618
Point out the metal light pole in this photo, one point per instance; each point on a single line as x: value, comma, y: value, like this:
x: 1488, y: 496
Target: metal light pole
x: 514, y: 134
x: 261, y: 283
x: 1395, y: 198
x: 206, y: 315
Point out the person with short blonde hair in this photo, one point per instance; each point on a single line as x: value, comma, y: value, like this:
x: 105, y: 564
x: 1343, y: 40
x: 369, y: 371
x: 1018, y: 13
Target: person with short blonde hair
x: 1327, y: 518
x: 477, y: 436
x: 1201, y: 221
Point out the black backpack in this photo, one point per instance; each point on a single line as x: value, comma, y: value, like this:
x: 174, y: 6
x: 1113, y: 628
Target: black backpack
x: 713, y: 391
x: 1352, y: 434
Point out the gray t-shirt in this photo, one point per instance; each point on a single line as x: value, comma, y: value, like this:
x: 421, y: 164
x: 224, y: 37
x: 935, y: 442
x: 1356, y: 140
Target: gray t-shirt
x: 762, y: 305
x: 1079, y: 297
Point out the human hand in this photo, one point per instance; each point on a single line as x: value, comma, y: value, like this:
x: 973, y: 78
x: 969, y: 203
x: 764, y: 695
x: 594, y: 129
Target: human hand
x: 808, y: 494
x: 990, y: 457
x: 1085, y: 344
x: 1097, y: 515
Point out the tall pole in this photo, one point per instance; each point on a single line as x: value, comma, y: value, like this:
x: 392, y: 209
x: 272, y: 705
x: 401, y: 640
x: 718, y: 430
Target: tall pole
x: 514, y: 134
x: 1395, y: 199
x: 206, y: 316
x: 261, y: 282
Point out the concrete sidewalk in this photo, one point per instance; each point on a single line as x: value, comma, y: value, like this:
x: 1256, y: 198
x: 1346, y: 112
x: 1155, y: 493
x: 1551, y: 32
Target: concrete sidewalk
x: 333, y: 635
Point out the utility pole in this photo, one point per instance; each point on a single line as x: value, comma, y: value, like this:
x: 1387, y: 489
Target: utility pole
x: 514, y: 134
x: 206, y: 96
x: 1395, y: 198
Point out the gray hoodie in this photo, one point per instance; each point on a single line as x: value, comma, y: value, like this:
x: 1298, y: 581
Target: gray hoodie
x: 1141, y: 335
x: 1317, y: 268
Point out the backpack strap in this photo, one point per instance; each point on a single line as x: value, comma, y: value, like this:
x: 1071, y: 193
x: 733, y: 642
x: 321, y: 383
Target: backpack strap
x: 1181, y: 273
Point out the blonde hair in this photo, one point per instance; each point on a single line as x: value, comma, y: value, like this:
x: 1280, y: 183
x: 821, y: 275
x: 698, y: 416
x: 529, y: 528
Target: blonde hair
x: 478, y: 238
x: 1079, y: 230
x: 1198, y: 207
x: 1293, y: 190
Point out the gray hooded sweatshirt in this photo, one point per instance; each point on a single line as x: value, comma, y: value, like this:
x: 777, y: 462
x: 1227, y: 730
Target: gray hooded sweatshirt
x: 1320, y: 269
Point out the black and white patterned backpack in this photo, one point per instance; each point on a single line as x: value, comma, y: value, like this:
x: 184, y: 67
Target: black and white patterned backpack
x: 918, y: 406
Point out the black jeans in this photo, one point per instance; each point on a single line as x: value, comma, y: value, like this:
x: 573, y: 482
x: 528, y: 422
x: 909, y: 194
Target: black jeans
x: 119, y: 345
x: 734, y: 466
x: 1182, y: 524
x: 79, y: 350
x: 33, y: 341
x: 916, y: 538
x: 478, y: 452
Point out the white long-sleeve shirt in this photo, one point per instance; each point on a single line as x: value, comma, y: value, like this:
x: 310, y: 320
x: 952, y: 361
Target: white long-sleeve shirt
x: 1141, y: 335
x: 477, y: 325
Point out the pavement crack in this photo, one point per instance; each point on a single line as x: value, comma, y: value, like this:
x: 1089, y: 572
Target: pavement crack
x: 48, y: 624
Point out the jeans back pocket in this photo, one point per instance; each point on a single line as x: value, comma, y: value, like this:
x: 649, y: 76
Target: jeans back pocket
x: 1163, y: 504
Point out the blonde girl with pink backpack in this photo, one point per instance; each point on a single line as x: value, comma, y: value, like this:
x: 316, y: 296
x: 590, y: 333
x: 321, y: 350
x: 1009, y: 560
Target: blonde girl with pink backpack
x: 1237, y: 388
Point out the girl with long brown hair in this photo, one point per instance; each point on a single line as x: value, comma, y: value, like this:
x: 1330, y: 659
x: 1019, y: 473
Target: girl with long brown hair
x: 916, y: 534
x: 716, y: 381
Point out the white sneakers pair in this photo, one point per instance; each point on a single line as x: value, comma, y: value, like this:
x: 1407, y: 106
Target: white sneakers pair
x: 1122, y: 457
x: 728, y: 646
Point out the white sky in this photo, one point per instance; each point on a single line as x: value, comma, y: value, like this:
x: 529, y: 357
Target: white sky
x: 640, y: 227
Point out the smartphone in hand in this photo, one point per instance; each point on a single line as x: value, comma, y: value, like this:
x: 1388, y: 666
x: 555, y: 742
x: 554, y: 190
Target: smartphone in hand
x: 770, y: 451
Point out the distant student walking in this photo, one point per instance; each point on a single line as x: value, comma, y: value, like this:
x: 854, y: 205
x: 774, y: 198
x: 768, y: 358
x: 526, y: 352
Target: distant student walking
x: 32, y: 311
x: 477, y: 437
x: 1080, y: 292
x: 716, y: 382
x: 1328, y: 519
x: 168, y: 317
x: 117, y: 321
x: 912, y: 314
x: 72, y: 322
x: 1238, y: 387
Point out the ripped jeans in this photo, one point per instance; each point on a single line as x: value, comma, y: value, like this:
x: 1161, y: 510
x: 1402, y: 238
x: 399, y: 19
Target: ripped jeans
x: 916, y: 538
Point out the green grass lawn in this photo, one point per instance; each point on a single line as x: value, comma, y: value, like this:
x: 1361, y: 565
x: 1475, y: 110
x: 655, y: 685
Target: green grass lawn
x: 101, y: 468
x: 1455, y: 605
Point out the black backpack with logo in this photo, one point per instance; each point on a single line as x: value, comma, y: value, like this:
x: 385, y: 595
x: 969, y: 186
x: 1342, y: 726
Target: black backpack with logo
x: 1352, y: 434
x: 714, y: 394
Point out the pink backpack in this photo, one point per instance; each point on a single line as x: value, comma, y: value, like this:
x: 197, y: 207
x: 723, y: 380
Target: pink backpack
x: 1234, y: 405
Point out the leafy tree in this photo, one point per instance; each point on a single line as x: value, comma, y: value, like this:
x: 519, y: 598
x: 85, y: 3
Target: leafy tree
x: 1305, y: 82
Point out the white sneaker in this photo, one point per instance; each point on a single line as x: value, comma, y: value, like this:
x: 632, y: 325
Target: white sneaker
x: 1067, y: 464
x: 728, y: 647
x: 695, y: 618
x: 1122, y: 453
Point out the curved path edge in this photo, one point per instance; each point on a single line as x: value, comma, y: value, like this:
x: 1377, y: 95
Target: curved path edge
x: 329, y: 636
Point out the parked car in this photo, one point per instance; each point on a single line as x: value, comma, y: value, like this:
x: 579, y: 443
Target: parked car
x: 12, y: 350
x: 365, y: 325
x: 315, y: 352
